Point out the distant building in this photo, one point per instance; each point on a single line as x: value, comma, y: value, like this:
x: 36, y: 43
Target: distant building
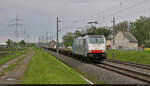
x: 123, y: 40
x: 52, y: 44
x: 3, y: 45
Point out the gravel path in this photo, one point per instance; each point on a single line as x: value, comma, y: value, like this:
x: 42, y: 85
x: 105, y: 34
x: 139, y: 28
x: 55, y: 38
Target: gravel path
x: 11, y: 62
x: 99, y: 73
x: 14, y: 76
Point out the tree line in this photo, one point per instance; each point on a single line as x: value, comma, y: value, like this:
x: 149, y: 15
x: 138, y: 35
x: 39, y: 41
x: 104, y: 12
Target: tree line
x: 12, y: 44
x: 140, y: 29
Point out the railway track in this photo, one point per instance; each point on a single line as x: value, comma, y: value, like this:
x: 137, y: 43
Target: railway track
x: 125, y: 70
x: 129, y: 63
x: 137, y: 75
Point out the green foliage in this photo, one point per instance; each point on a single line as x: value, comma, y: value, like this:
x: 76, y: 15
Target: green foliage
x: 68, y: 39
x: 77, y: 33
x: 91, y: 30
x: 99, y: 31
x: 46, y: 69
x: 22, y: 43
x: 147, y: 43
x: 103, y: 31
x: 10, y: 43
x: 141, y: 30
x: 141, y: 57
x: 122, y: 26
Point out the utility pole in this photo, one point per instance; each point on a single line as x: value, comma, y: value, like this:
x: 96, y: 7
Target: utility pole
x: 46, y: 39
x: 24, y: 34
x: 113, y: 52
x: 57, y: 43
x: 28, y: 37
x: 42, y: 39
x: 50, y: 38
x: 39, y: 40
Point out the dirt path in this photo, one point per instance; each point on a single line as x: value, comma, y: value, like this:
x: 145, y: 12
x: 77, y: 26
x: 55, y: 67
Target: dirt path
x: 14, y: 76
x: 11, y: 62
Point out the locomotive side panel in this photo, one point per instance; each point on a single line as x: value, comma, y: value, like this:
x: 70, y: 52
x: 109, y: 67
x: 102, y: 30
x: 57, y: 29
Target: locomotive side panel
x: 92, y: 47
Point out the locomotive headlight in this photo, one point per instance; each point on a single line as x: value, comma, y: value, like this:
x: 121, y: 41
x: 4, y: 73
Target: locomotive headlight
x: 103, y: 51
x: 90, y: 51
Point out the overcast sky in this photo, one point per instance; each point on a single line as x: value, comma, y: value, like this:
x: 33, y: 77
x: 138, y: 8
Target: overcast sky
x: 39, y: 16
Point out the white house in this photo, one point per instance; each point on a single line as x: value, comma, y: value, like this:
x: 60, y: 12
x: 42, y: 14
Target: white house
x: 124, y: 40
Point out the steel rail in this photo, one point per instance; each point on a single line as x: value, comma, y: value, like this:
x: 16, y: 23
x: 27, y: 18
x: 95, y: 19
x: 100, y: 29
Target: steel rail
x: 129, y: 64
x: 130, y: 73
x: 126, y: 72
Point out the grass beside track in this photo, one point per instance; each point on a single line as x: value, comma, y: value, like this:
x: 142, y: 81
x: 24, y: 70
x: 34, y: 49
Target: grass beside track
x: 141, y: 57
x: 46, y: 69
x: 9, y: 55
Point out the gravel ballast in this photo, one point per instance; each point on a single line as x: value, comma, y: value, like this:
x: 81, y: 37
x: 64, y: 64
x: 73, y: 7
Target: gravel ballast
x: 100, y: 74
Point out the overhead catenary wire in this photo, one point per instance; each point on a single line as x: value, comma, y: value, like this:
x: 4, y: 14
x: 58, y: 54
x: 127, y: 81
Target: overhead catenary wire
x: 141, y: 11
x: 132, y: 6
x: 122, y: 10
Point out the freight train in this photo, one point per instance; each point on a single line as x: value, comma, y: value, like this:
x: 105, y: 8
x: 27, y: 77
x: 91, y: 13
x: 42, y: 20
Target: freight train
x: 90, y: 47
x: 87, y: 47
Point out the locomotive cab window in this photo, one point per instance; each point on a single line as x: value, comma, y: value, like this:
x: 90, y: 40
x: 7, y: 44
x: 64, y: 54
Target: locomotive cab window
x: 96, y: 40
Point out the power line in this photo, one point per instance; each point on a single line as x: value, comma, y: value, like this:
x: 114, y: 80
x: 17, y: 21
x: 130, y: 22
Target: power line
x: 116, y: 5
x: 141, y: 11
x: 16, y: 25
x: 122, y: 10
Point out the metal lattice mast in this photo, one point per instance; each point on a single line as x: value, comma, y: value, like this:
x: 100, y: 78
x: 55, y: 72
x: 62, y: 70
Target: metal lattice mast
x: 16, y: 25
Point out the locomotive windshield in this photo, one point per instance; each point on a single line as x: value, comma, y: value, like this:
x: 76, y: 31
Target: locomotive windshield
x: 96, y: 40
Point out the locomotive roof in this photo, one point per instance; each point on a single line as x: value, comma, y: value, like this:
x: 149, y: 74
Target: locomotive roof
x: 94, y: 36
x: 91, y: 36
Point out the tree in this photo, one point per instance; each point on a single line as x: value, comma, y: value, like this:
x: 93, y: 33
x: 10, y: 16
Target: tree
x: 91, y: 30
x: 100, y: 31
x: 22, y: 43
x: 147, y: 44
x: 68, y: 39
x: 77, y: 33
x: 9, y: 43
x: 122, y: 26
x: 141, y: 30
x: 103, y: 31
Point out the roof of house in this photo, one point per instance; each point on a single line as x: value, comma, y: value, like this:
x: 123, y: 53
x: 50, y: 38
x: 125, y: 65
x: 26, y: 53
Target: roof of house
x: 52, y: 42
x: 130, y: 37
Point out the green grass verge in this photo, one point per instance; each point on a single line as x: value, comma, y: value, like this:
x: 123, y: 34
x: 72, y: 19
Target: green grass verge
x: 141, y: 57
x: 11, y: 55
x: 46, y: 69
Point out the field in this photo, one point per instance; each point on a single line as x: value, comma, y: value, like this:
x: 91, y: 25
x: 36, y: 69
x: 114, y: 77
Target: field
x: 46, y: 69
x: 7, y: 55
x: 141, y: 57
